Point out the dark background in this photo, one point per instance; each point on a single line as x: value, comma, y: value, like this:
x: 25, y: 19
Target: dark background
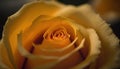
x: 9, y: 7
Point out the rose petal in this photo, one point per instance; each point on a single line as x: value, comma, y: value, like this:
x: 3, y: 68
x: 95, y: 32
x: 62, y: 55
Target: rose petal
x: 94, y: 50
x: 61, y: 49
x: 26, y: 54
x: 109, y: 41
x: 84, y: 15
x: 23, y: 19
x: 38, y: 32
x: 46, y: 24
x: 63, y: 57
x: 4, y: 61
x: 52, y: 43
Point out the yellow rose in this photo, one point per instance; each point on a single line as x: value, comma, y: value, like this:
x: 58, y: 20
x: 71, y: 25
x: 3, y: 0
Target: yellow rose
x: 47, y: 34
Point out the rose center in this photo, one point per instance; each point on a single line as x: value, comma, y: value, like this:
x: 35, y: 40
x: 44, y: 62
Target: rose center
x: 59, y: 35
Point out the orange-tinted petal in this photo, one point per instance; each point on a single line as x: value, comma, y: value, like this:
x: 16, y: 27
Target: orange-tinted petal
x: 22, y: 20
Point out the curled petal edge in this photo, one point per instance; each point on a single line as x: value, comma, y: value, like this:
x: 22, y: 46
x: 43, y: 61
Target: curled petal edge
x: 95, y: 45
x: 49, y: 65
x: 2, y: 65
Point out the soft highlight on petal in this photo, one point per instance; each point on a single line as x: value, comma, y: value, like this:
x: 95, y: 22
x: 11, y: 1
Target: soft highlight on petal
x: 63, y: 57
x: 4, y: 61
x: 84, y: 15
x: 46, y: 57
x: 94, y: 50
x: 22, y: 20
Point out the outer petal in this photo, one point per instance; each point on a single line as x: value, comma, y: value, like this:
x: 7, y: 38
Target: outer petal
x: 85, y: 16
x: 22, y: 20
x: 4, y: 60
x: 94, y: 48
x: 109, y: 41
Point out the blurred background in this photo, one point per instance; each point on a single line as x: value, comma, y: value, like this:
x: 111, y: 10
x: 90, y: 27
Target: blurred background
x: 108, y: 9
